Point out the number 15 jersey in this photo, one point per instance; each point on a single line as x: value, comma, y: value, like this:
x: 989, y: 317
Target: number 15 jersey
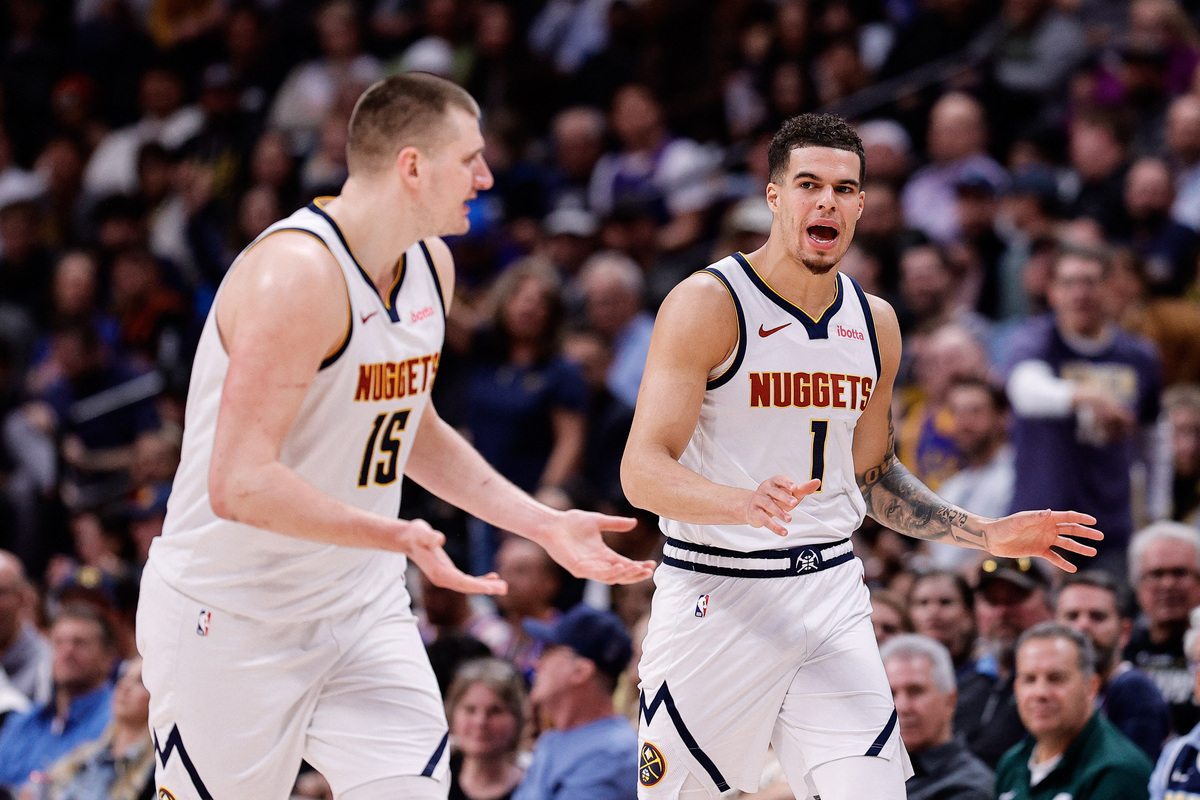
x: 351, y: 440
x: 785, y: 403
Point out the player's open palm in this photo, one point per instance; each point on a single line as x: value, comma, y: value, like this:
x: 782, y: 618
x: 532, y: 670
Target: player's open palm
x: 1034, y: 533
x: 577, y: 543
x: 423, y: 545
x: 772, y: 502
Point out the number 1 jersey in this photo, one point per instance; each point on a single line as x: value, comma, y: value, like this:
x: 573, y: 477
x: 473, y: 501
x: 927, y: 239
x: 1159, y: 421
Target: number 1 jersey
x: 351, y: 439
x: 785, y: 403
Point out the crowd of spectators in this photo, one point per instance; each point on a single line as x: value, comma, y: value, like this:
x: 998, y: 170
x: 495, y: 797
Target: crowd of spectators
x: 1032, y: 212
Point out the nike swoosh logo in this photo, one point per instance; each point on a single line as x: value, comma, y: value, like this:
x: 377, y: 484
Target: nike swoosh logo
x: 765, y: 333
x: 366, y: 317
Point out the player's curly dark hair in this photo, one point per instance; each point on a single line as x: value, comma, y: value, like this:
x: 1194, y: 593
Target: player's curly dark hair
x: 813, y: 130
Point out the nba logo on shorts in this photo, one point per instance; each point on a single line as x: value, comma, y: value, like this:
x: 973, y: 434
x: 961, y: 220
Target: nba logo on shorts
x: 702, y: 605
x: 202, y: 623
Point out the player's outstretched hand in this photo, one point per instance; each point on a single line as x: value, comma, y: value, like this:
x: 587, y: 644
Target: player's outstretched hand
x: 774, y: 500
x: 423, y: 545
x: 576, y: 542
x: 1033, y: 533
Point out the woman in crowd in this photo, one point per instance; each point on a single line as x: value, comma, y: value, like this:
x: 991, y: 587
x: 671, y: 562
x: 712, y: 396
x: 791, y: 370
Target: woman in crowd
x: 486, y: 710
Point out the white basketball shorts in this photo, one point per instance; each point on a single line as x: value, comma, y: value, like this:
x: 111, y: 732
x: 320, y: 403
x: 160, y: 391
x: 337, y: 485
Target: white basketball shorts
x: 236, y: 703
x: 732, y: 664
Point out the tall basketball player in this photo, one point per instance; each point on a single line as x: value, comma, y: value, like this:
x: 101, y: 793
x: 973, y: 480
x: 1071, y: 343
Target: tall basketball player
x: 762, y: 436
x: 274, y: 619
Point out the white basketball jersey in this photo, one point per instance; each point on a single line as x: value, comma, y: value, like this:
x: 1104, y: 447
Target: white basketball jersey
x: 351, y: 439
x: 785, y: 403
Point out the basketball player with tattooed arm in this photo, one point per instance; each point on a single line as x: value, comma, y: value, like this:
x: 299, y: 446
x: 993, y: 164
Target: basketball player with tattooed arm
x: 274, y: 618
x: 762, y: 436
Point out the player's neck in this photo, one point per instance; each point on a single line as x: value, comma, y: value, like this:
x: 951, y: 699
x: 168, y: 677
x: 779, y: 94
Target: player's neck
x: 792, y: 280
x: 378, y: 233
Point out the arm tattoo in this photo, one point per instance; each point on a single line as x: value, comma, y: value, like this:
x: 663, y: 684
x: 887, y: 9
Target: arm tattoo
x: 897, y: 499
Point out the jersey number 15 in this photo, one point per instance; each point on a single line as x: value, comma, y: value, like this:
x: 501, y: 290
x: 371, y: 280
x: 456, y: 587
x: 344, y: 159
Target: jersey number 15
x: 389, y: 449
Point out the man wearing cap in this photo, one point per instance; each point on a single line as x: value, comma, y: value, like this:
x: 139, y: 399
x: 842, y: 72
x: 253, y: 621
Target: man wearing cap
x: 1012, y: 596
x: 590, y: 749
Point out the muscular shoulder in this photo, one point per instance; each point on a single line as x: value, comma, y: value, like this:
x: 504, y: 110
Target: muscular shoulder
x: 887, y: 332
x: 699, y: 315
x: 287, y: 274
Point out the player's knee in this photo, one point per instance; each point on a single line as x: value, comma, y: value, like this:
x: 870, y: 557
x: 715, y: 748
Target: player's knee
x: 860, y: 776
x: 410, y: 787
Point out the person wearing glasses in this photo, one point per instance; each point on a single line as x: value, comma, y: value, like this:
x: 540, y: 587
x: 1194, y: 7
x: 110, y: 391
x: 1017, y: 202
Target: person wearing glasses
x: 1164, y: 570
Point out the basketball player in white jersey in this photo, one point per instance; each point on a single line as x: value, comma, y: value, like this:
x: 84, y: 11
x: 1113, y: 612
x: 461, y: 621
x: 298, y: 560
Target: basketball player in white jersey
x: 274, y: 619
x: 762, y: 436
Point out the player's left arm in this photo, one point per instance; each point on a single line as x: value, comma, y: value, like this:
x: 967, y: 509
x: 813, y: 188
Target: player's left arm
x: 897, y: 499
x: 446, y: 464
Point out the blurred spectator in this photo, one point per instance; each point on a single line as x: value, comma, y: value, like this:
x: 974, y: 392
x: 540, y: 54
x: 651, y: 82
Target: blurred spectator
x: 889, y: 615
x: 1072, y: 749
x: 589, y: 749
x: 311, y: 89
x: 976, y: 256
x: 984, y: 484
x: 1086, y: 400
x: 1183, y: 406
x: 671, y: 176
x: 1164, y: 570
x: 524, y: 403
x: 1183, y: 151
x: 612, y: 288
x: 881, y: 232
x: 1093, y: 603
x: 566, y: 34
x: 28, y: 470
x: 25, y: 653
x: 60, y: 165
x: 957, y: 145
x: 922, y: 681
x: 25, y: 259
x: 112, y: 168
x: 534, y: 580
x: 272, y: 165
x: 324, y: 171
x: 1029, y: 217
x: 82, y: 645
x: 608, y: 421
x: 1172, y: 323
x: 577, y: 143
x: 1163, y: 26
x: 932, y: 294
x: 1178, y: 769
x: 152, y: 318
x: 120, y: 764
x: 943, y: 608
x: 445, y: 612
x: 1098, y: 145
x: 925, y: 434
x: 1167, y: 248
x: 888, y: 149
x: 1012, y: 596
x: 485, y: 707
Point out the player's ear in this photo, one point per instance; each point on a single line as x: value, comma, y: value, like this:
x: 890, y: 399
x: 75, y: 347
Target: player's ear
x: 408, y: 162
x: 773, y: 196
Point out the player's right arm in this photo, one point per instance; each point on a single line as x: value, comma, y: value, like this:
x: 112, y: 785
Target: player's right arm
x: 283, y: 309
x: 696, y: 330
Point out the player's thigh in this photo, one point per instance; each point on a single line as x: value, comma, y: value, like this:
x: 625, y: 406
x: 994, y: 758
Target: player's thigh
x: 379, y: 714
x: 408, y: 788
x: 860, y: 777
x: 229, y: 696
x: 839, y: 706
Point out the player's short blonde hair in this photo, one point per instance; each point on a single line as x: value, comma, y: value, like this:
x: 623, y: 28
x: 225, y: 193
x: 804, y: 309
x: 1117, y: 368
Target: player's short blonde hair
x: 401, y: 111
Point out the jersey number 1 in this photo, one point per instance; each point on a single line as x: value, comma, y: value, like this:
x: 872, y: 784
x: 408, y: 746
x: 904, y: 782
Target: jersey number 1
x: 389, y: 446
x: 820, y: 429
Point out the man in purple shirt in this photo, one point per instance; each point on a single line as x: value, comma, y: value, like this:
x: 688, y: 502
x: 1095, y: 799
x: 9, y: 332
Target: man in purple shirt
x: 1086, y: 401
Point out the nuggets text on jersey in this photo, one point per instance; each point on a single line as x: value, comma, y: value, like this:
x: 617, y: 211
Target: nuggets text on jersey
x: 809, y: 390
x: 391, y: 379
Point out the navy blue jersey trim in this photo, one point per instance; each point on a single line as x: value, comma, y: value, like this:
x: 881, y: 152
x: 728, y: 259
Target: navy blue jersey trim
x: 725, y: 376
x: 175, y: 744
x: 436, y: 757
x: 862, y: 298
x: 336, y: 354
x: 401, y: 270
x: 883, y: 736
x: 817, y: 329
x: 663, y: 698
x: 342, y: 238
x: 782, y: 552
x: 437, y: 282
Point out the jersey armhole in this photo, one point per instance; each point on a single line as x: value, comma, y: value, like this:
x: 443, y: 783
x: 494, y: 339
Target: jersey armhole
x: 866, y: 307
x: 729, y: 367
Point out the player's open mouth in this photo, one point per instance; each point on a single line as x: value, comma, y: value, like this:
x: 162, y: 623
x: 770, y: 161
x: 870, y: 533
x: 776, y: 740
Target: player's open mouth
x: 822, y: 236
